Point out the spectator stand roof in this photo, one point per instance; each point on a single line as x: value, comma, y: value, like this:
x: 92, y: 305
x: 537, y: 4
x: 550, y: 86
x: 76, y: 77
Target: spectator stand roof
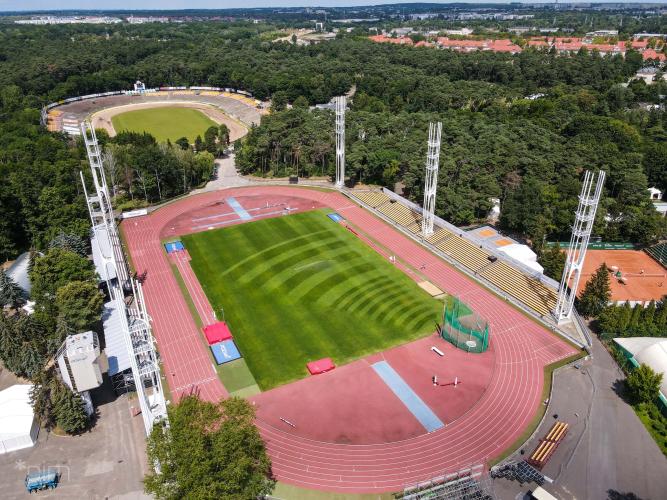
x: 101, y: 246
x: 115, y: 349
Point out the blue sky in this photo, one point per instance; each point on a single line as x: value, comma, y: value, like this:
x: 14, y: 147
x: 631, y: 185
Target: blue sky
x: 18, y: 5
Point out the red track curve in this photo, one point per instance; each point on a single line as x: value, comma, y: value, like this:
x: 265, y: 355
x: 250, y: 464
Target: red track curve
x: 522, y: 348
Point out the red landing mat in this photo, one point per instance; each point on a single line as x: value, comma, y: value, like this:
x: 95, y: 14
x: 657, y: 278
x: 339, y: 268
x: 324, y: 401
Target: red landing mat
x: 320, y: 366
x: 217, y: 332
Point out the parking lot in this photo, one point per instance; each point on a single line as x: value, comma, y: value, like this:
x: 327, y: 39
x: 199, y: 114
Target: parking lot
x: 106, y: 462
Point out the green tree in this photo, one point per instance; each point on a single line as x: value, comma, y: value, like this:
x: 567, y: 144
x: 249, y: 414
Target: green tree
x: 79, y: 304
x: 199, y: 144
x: 608, y: 321
x: 223, y: 135
x: 300, y: 102
x: 44, y: 383
x: 69, y: 410
x: 644, y: 384
x: 72, y: 242
x: 55, y: 269
x: 25, y: 344
x: 210, y: 139
x: 183, y: 143
x: 553, y: 261
x: 208, y: 450
x: 279, y: 101
x: 596, y: 294
x: 10, y: 293
x: 54, y: 404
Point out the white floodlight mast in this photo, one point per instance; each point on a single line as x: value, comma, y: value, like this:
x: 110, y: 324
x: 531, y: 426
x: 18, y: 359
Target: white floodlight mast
x: 341, y: 103
x: 431, y: 183
x: 99, y: 204
x: 576, y: 253
x: 135, y: 321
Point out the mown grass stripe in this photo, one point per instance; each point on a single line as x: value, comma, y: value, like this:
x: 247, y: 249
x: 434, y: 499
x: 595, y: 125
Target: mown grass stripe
x: 347, y: 301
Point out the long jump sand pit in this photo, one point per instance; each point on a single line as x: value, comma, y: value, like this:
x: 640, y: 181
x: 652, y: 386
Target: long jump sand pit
x: 103, y: 119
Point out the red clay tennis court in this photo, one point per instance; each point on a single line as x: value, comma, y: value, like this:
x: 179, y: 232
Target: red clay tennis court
x: 342, y: 440
x: 645, y: 278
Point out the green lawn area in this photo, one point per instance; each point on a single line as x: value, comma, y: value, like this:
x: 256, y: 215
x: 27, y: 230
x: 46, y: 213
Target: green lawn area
x: 301, y: 287
x: 164, y: 123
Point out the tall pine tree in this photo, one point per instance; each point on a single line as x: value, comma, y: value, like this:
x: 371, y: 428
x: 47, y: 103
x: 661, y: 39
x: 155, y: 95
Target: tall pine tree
x: 596, y: 294
x: 10, y: 293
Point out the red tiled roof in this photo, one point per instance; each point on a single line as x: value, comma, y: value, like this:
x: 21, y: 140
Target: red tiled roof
x: 603, y: 47
x: 385, y: 39
x: 652, y: 54
x: 446, y: 42
x: 570, y: 46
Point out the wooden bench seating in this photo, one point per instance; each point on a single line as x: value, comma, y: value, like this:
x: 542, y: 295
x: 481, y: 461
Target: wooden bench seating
x: 398, y: 213
x: 529, y: 291
x: 463, y: 251
x: 372, y: 198
x: 439, y: 234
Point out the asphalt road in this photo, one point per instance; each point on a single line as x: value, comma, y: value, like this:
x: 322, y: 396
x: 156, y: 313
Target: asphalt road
x: 608, y: 454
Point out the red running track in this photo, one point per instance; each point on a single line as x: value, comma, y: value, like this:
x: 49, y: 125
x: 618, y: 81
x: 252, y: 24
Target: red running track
x: 522, y: 349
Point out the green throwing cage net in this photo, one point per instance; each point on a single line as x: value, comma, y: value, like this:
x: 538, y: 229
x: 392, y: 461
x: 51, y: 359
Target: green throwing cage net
x: 464, y: 328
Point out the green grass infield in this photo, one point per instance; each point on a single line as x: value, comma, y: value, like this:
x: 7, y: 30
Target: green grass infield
x: 164, y: 123
x: 300, y: 287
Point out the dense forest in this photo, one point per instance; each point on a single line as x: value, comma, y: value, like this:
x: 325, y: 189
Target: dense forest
x: 499, y: 139
x: 497, y: 142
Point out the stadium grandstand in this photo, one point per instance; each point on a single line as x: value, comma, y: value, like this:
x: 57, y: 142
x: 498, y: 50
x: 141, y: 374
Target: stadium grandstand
x: 512, y: 278
x: 67, y: 114
x: 471, y: 483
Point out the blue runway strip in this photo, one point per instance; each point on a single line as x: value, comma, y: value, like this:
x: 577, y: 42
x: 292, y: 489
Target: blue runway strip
x: 240, y: 211
x: 408, y: 397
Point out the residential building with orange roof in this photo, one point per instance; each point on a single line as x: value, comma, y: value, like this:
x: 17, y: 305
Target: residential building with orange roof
x: 653, y: 54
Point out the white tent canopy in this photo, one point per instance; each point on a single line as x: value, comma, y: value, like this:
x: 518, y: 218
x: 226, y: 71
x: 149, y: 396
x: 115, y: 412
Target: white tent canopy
x: 650, y: 351
x: 523, y: 254
x: 18, y: 426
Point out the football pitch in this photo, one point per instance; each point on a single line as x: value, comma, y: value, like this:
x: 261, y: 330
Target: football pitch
x: 301, y: 287
x: 164, y: 123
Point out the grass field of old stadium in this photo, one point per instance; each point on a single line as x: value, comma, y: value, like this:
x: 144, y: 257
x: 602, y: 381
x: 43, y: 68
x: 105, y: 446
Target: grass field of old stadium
x: 164, y: 123
x: 301, y: 287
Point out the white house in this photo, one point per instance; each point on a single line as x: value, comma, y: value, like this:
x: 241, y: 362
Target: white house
x: 655, y: 193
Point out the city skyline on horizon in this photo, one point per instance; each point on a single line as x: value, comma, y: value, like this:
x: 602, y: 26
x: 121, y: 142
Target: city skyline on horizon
x: 165, y: 5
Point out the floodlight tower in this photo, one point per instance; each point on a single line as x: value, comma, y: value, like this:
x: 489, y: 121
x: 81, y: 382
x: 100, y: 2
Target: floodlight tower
x: 99, y: 204
x: 135, y: 322
x: 341, y: 102
x: 431, y: 184
x: 576, y: 253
